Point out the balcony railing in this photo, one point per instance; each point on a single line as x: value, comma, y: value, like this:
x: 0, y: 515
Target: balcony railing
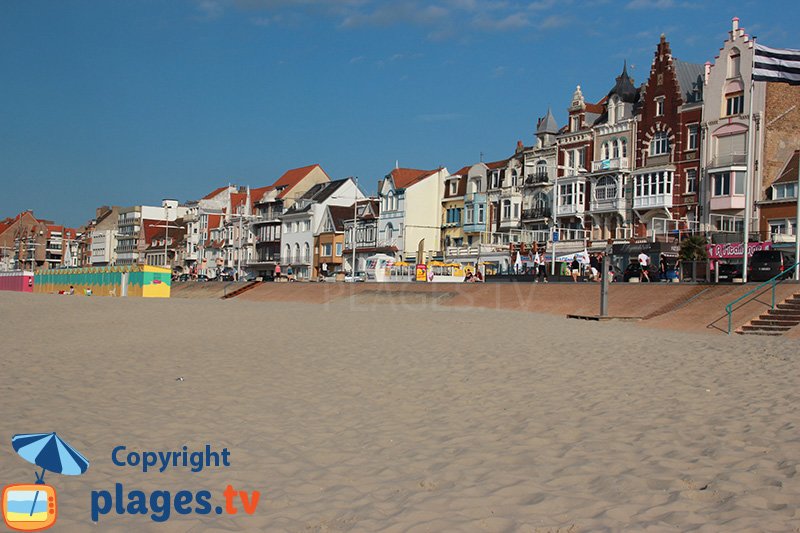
x: 610, y: 164
x: 728, y: 160
x: 653, y: 202
x: 566, y: 210
x: 533, y: 179
x: 537, y: 212
x: 602, y: 206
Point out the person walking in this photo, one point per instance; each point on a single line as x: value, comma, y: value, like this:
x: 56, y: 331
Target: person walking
x: 662, y: 268
x: 644, y: 265
x: 541, y: 268
x: 594, y: 264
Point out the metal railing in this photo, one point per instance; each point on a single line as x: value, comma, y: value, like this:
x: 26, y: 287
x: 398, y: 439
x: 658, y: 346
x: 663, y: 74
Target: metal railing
x: 773, y: 282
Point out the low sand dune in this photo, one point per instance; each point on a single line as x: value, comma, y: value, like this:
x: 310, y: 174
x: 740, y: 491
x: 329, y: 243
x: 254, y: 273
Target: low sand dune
x: 356, y: 415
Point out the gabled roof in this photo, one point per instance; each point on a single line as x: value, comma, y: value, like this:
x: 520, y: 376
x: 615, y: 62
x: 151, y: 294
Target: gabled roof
x: 789, y: 173
x: 404, y: 178
x: 338, y: 214
x: 690, y: 80
x: 316, y: 194
x: 292, y: 177
x: 462, y: 171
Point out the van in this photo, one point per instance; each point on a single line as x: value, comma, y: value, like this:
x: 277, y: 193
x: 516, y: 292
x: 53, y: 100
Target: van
x: 766, y: 264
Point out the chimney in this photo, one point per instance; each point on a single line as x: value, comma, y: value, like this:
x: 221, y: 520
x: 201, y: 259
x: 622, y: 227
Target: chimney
x: 735, y: 24
x: 707, y: 72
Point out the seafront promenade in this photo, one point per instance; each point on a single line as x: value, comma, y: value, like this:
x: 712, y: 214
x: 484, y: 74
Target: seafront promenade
x: 679, y: 307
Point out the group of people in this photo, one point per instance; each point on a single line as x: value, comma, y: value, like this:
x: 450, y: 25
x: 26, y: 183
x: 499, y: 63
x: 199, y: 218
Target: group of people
x: 473, y: 278
x: 594, y: 270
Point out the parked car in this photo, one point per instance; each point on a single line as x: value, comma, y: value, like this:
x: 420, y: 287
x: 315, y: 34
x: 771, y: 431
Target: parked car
x: 634, y: 270
x: 729, y: 271
x: 766, y: 264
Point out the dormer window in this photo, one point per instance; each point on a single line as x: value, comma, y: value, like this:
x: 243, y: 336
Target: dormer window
x: 784, y: 191
x: 575, y: 123
x: 453, y: 187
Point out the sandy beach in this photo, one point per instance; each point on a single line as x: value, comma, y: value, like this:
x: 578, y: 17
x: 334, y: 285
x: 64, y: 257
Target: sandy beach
x: 405, y: 417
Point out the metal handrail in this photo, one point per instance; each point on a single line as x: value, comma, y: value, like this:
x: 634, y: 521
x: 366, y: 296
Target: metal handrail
x: 773, y: 281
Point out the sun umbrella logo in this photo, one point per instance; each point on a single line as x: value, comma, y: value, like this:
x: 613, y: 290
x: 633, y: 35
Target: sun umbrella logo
x: 33, y: 507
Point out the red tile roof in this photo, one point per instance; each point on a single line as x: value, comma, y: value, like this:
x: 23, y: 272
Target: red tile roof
x: 494, y: 165
x: 215, y: 192
x: 406, y: 177
x: 292, y: 177
x: 462, y: 172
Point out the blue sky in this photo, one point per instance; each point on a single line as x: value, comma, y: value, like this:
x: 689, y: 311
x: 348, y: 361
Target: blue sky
x: 128, y: 102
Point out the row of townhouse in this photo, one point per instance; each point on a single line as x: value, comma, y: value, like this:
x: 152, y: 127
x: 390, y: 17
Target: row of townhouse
x: 643, y: 162
x: 29, y: 243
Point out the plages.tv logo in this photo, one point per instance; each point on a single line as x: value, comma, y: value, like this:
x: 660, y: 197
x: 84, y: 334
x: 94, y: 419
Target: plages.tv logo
x: 33, y: 506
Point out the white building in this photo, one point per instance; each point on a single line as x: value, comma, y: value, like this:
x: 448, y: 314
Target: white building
x: 302, y: 221
x: 411, y: 212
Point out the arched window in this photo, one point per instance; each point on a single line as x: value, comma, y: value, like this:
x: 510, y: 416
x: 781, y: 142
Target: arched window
x: 604, y: 151
x: 623, y: 147
x: 389, y: 232
x: 734, y: 63
x: 288, y: 258
x: 541, y: 201
x: 606, y: 188
x: 296, y: 252
x: 390, y: 201
x: 514, y: 177
x: 306, y: 253
x: 541, y: 169
x: 615, y: 146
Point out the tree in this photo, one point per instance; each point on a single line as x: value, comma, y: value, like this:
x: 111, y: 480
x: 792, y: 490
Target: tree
x: 693, y: 248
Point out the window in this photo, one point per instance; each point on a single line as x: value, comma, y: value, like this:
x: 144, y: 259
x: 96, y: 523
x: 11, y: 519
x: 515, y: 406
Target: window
x: 734, y: 104
x: 541, y: 169
x: 604, y: 151
x: 516, y: 210
x: 326, y: 249
x: 623, y: 143
x: 785, y: 190
x: 691, y: 180
x: 389, y: 232
x: 653, y: 184
x: 659, y: 144
x: 506, y: 209
x: 615, y: 146
x: 480, y: 214
x: 576, y: 123
x: 470, y: 211
x: 734, y: 63
x: 306, y: 225
x: 606, y: 188
x: 296, y: 252
x: 338, y: 249
x: 778, y: 227
x: 453, y: 187
x: 722, y: 184
x: 571, y: 194
x: 691, y: 142
x: 660, y: 107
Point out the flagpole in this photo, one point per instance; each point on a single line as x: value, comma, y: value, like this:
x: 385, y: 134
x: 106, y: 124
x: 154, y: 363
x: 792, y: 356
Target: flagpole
x: 749, y: 174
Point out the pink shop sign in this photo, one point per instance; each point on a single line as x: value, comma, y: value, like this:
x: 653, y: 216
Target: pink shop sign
x: 733, y: 250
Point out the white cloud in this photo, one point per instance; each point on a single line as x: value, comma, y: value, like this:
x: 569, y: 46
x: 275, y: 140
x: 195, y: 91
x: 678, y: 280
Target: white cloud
x: 511, y: 22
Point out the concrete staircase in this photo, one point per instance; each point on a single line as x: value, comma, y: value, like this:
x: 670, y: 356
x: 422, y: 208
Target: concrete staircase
x: 236, y: 292
x: 784, y: 317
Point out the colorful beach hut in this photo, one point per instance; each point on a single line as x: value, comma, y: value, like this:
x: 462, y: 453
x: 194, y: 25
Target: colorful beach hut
x: 135, y: 280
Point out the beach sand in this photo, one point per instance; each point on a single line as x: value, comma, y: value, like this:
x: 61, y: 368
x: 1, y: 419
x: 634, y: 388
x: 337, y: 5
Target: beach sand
x: 391, y: 416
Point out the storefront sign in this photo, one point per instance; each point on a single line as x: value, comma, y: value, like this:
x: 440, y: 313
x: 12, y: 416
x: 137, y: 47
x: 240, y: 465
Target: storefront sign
x: 422, y: 272
x: 733, y: 250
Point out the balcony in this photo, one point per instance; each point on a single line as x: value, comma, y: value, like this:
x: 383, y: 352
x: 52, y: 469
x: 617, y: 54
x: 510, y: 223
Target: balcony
x: 733, y: 159
x: 267, y: 260
x: 537, y: 179
x: 570, y: 210
x: 732, y: 202
x: 475, y: 227
x: 657, y: 201
x: 607, y: 205
x: 619, y: 163
x: 536, y: 213
x: 475, y: 197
